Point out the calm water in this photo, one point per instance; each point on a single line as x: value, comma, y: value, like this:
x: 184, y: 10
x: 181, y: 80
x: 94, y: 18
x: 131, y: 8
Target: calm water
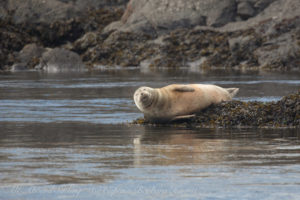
x: 65, y: 136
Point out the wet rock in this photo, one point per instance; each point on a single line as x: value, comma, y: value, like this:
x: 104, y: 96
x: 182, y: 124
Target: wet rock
x: 283, y: 113
x: 19, y: 67
x: 60, y: 60
x: 29, y: 56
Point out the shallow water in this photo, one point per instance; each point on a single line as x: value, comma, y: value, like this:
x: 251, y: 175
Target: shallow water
x: 64, y: 136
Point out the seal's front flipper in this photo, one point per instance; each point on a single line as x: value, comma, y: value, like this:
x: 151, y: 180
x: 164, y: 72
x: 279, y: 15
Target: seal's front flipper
x: 183, y: 118
x: 184, y: 88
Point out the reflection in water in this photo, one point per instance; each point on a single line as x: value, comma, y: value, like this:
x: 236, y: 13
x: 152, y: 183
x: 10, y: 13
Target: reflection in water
x: 179, y: 149
x: 110, y: 161
x: 88, y: 153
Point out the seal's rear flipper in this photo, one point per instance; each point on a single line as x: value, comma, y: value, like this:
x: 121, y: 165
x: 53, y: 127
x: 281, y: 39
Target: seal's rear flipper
x: 183, y: 118
x: 232, y: 91
x: 184, y: 88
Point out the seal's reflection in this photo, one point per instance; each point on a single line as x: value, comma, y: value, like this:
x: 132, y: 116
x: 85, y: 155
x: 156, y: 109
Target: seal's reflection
x: 177, y: 147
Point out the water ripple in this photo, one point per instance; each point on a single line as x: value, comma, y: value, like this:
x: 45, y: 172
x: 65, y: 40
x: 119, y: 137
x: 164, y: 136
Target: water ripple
x: 105, y: 110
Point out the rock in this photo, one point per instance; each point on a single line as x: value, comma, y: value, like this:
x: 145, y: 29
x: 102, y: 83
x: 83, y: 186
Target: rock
x: 221, y: 13
x: 156, y: 16
x: 275, y: 11
x: 257, y: 5
x: 281, y: 48
x: 245, y: 10
x: 86, y: 41
x: 19, y: 67
x: 281, y: 53
x: 238, y: 42
x: 262, y: 4
x: 60, y: 60
x: 30, y: 50
x: 112, y: 27
x: 242, y: 48
x: 28, y: 58
x: 30, y: 55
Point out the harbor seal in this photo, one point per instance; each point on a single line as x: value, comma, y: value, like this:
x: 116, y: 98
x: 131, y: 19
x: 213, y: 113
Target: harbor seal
x: 174, y: 102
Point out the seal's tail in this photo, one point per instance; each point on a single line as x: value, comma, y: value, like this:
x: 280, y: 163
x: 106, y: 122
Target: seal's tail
x: 232, y: 91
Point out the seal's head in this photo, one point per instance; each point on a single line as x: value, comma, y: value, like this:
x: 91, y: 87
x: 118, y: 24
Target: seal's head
x: 143, y: 97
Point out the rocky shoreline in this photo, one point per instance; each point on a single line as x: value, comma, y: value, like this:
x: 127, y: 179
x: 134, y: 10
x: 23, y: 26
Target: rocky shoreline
x: 231, y: 34
x: 284, y: 113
